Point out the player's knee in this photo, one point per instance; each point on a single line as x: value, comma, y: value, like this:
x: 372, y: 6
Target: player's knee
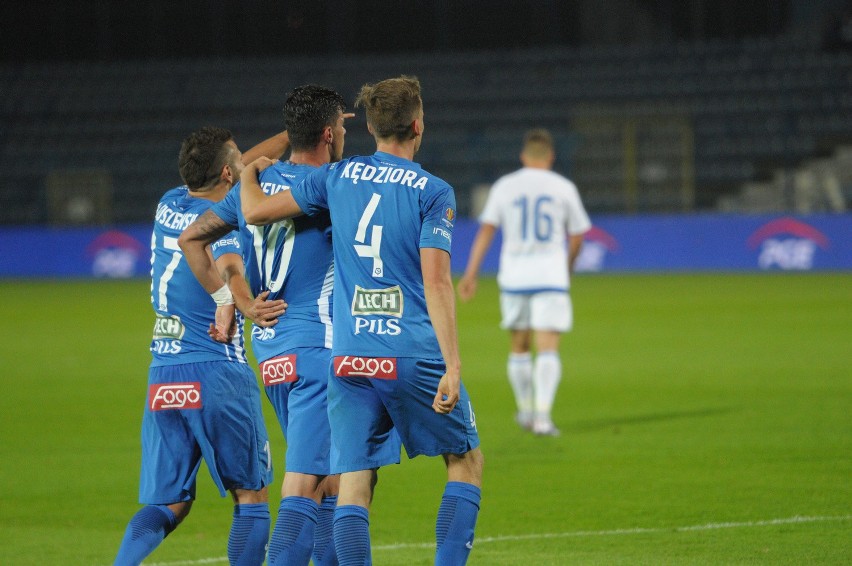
x: 180, y: 510
x: 250, y: 496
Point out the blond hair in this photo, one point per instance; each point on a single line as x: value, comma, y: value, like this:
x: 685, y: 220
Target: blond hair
x: 538, y: 144
x: 392, y: 105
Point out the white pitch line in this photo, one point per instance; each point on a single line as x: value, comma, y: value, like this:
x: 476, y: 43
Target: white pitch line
x: 574, y: 534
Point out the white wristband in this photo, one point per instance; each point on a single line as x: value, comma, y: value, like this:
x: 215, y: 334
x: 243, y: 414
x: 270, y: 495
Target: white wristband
x: 223, y: 296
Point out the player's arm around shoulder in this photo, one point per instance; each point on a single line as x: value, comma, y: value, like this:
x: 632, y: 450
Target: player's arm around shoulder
x: 440, y: 303
x: 259, y: 208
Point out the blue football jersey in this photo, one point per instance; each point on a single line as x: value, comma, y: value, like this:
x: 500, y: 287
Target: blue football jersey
x: 384, y: 209
x: 293, y: 260
x: 184, y: 310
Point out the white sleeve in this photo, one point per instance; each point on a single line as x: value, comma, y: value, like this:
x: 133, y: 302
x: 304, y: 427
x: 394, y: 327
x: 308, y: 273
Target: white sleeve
x: 491, y: 211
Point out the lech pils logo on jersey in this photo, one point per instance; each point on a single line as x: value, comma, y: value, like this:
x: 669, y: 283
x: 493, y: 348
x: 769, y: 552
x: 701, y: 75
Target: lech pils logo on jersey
x: 168, y: 327
x: 377, y: 301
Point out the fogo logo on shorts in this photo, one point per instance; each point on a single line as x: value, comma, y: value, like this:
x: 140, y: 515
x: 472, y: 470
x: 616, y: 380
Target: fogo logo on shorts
x: 166, y: 396
x: 281, y: 369
x: 357, y: 366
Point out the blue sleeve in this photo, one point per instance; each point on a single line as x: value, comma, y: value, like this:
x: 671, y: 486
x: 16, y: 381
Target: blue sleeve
x: 228, y: 208
x: 227, y: 244
x: 311, y: 194
x: 438, y: 209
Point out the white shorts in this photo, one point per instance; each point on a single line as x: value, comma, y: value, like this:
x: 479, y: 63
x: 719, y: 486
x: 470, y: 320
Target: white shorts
x: 549, y: 310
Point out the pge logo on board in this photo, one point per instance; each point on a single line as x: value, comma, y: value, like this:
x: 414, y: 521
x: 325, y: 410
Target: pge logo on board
x: 597, y: 244
x: 787, y: 244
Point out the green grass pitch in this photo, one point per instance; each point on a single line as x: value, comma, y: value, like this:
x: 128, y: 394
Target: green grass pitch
x: 706, y: 419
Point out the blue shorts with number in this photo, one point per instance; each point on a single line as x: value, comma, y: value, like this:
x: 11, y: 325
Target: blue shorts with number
x: 299, y: 397
x: 371, y: 416
x: 207, y: 410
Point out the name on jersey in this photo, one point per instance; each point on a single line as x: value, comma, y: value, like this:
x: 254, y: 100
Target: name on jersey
x: 359, y: 366
x: 166, y: 327
x: 173, y: 396
x: 273, y: 188
x: 173, y: 219
x: 226, y: 242
x: 280, y: 369
x: 377, y: 301
x: 363, y: 172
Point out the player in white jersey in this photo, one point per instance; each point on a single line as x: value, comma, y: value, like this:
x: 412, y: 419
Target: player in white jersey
x: 291, y: 260
x: 203, y: 399
x: 397, y: 370
x: 543, y: 221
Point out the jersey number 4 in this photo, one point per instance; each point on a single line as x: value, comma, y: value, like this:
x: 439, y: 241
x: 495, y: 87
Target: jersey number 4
x: 373, y: 248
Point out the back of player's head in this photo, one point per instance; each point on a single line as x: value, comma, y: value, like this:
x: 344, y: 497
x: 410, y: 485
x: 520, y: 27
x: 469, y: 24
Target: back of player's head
x: 307, y: 111
x: 538, y: 144
x: 392, y: 105
x: 202, y: 156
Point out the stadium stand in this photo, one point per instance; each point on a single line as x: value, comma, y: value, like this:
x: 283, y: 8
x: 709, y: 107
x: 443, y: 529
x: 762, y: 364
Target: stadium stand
x: 728, y: 125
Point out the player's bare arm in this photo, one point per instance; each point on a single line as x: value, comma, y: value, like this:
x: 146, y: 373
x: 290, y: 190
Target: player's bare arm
x: 440, y: 303
x: 273, y: 148
x: 194, y: 240
x: 575, y: 244
x: 262, y: 312
x: 481, y: 244
x: 259, y: 208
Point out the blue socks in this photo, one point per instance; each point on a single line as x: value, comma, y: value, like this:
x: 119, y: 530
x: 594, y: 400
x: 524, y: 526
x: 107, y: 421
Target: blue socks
x: 456, y: 522
x: 145, y: 531
x: 324, y: 553
x: 249, y: 534
x: 352, y: 535
x: 293, y: 537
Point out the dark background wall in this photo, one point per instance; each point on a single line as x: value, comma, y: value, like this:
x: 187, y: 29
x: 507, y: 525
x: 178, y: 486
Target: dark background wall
x: 103, y: 30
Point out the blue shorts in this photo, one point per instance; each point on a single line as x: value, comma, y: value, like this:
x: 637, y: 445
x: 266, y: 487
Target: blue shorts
x: 371, y: 416
x: 207, y: 410
x: 296, y: 384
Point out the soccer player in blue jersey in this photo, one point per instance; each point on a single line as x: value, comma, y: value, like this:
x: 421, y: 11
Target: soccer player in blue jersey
x: 397, y: 371
x: 203, y: 399
x: 291, y: 260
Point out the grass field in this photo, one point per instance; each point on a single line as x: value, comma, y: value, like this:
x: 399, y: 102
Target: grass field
x: 706, y: 419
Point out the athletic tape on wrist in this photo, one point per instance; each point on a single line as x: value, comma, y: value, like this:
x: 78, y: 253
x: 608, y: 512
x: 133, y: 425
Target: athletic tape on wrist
x: 223, y: 296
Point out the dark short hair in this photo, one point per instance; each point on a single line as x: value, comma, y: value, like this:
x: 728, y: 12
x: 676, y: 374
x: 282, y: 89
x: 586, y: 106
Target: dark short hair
x: 202, y: 155
x: 307, y: 111
x: 392, y: 105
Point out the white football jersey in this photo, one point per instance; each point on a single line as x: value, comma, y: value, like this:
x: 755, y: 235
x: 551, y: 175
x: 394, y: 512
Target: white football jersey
x: 536, y: 209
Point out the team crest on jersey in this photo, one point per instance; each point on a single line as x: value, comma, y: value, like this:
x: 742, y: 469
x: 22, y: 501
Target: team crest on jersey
x: 449, y: 216
x: 377, y: 301
x: 168, y: 327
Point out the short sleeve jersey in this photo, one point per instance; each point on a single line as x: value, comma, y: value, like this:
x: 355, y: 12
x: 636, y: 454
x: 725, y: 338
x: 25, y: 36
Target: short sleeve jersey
x: 292, y: 259
x: 183, y: 309
x: 536, y: 209
x: 384, y: 209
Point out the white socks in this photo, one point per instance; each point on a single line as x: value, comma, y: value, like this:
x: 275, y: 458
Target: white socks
x: 520, y: 371
x: 534, y: 384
